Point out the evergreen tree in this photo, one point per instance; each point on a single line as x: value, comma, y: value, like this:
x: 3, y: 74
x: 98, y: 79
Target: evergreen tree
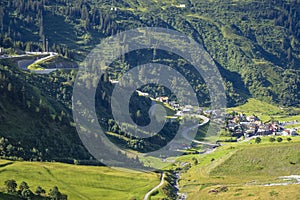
x: 10, y: 185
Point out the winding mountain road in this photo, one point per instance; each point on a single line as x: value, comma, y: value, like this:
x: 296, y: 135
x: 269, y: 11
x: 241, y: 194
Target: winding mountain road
x: 186, y: 136
x: 23, y: 64
x: 51, y: 55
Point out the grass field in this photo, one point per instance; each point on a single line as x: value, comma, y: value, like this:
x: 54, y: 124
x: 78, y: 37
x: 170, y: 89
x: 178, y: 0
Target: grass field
x: 266, y: 111
x: 240, y: 170
x: 80, y: 182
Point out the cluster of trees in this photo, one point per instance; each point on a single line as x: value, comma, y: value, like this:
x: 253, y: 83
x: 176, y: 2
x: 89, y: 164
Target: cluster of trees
x: 126, y: 137
x: 169, y: 188
x: 9, y: 151
x: 279, y: 139
x: 93, y: 17
x: 24, y: 192
x: 28, y: 14
x: 272, y: 139
x: 7, y: 41
x: 31, y: 14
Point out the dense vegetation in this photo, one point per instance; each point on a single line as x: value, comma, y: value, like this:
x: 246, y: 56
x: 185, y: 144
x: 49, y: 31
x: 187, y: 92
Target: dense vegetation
x: 36, y: 118
x: 254, y: 44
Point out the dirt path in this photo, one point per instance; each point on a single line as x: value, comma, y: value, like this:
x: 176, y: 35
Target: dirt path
x: 156, y: 187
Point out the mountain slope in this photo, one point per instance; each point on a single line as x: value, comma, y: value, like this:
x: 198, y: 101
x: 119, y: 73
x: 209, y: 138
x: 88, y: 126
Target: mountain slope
x: 255, y: 45
x: 258, y: 40
x: 35, y: 117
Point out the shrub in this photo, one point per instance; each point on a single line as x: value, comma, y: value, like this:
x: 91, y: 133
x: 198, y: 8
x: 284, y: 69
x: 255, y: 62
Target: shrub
x: 272, y: 139
x: 273, y: 193
x: 257, y: 140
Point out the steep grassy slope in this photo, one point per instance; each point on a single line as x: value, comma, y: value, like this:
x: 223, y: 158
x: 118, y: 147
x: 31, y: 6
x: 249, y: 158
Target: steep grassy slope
x: 266, y: 160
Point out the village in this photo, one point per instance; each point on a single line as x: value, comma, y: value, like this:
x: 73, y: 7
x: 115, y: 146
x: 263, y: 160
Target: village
x: 241, y: 125
x: 237, y: 125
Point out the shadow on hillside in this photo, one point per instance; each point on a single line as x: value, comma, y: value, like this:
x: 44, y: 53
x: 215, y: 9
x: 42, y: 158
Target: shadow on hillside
x: 237, y: 83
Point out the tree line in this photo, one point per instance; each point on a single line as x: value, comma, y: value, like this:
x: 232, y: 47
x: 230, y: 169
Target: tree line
x: 24, y: 191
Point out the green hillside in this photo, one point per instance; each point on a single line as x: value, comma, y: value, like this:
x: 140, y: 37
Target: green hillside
x: 254, y: 43
x: 243, y: 170
x: 80, y: 182
x: 36, y: 118
x: 267, y: 111
x: 255, y: 161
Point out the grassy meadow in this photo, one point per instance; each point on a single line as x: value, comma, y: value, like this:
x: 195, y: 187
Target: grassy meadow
x: 79, y: 182
x: 266, y: 111
x: 240, y: 171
